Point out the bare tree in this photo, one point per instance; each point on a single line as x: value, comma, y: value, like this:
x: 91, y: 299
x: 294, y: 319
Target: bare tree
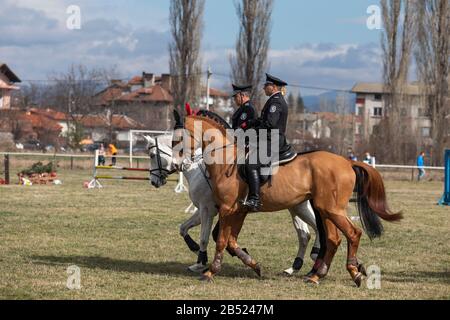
x: 31, y: 94
x: 250, y: 60
x: 396, y: 42
x: 432, y: 58
x: 186, y: 28
x: 74, y: 93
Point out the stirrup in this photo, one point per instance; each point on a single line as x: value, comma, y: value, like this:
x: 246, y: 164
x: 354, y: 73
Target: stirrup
x: 252, y: 204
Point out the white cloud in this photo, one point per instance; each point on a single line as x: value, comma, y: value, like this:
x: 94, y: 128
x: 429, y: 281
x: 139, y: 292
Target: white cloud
x: 36, y: 43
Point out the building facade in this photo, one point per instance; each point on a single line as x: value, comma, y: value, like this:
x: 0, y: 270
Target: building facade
x: 7, y: 81
x: 148, y: 98
x: 370, y: 110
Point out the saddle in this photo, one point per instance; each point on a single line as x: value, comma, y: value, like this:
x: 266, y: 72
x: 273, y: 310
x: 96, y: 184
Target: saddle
x: 265, y: 175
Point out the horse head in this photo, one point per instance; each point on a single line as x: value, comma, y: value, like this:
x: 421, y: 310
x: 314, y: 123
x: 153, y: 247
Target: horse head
x: 161, y: 161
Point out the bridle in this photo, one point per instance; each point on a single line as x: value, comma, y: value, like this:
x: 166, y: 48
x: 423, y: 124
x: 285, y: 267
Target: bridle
x: 162, y: 172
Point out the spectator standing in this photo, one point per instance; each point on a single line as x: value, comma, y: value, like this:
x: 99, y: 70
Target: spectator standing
x: 367, y: 158
x: 351, y: 155
x: 420, y: 165
x: 101, y: 155
x: 113, y: 151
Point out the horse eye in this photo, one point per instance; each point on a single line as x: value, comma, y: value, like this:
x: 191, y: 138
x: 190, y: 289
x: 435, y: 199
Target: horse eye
x: 152, y: 156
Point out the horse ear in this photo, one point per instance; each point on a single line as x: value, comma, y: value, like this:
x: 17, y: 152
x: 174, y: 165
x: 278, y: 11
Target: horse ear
x: 149, y: 139
x: 176, y: 116
x: 188, y: 109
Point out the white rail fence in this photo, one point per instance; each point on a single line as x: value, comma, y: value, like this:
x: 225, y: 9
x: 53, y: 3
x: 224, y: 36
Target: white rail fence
x: 131, y: 157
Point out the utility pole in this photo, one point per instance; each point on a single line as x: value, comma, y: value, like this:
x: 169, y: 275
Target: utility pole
x: 208, y: 76
x: 69, y: 116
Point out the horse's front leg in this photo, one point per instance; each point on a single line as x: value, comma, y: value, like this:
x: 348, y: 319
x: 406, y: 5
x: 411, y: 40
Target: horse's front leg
x: 206, y: 217
x: 237, y: 223
x: 193, y: 221
x: 225, y: 226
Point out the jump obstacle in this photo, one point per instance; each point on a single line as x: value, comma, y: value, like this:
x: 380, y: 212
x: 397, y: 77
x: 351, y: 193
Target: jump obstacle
x: 95, y: 183
x: 445, y: 199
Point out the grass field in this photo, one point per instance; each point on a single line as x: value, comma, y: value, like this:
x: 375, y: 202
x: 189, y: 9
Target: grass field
x: 125, y: 240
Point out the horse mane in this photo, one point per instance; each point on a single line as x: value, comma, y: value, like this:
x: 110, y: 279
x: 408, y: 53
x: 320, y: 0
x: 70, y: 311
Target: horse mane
x: 214, y: 116
x: 213, y: 122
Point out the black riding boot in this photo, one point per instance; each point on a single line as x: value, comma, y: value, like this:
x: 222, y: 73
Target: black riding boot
x: 253, y: 202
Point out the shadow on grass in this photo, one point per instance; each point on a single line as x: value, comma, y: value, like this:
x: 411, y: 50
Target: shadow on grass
x: 417, y: 276
x: 162, y: 268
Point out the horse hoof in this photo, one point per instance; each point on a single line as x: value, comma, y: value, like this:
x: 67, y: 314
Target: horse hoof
x: 257, y: 269
x: 362, y: 269
x: 358, y: 279
x: 314, y: 279
x: 197, y: 268
x: 289, y: 272
x: 298, y: 264
x: 206, y: 278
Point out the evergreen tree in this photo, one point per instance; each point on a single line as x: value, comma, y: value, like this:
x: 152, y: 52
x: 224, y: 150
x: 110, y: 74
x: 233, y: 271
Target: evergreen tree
x: 300, y: 105
x: 291, y: 103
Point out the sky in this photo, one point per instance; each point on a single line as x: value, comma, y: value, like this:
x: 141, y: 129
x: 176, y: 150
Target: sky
x: 321, y: 43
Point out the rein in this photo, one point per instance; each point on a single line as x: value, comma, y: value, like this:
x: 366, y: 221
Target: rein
x: 160, y: 169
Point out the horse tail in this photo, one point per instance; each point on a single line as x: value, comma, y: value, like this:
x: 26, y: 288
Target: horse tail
x: 371, y: 200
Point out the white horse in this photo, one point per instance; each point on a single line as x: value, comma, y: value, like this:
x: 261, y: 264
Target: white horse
x: 200, y: 192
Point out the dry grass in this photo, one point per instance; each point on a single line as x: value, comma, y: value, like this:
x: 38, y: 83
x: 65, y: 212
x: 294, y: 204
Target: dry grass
x: 125, y: 240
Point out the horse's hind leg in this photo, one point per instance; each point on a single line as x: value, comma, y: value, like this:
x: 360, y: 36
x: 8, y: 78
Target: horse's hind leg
x: 206, y: 218
x: 323, y: 262
x: 333, y: 242
x: 303, y: 238
x: 308, y: 217
x: 322, y: 235
x: 353, y: 235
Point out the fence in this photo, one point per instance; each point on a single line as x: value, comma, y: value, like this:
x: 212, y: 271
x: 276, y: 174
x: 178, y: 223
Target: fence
x: 84, y: 161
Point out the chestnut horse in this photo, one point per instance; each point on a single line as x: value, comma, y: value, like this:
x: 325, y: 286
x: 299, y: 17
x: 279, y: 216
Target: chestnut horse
x: 326, y: 179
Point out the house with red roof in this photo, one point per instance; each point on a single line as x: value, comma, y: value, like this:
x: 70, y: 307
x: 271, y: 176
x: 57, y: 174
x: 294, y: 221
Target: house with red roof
x: 28, y: 125
x: 7, y: 81
x: 147, y: 97
x: 103, y: 127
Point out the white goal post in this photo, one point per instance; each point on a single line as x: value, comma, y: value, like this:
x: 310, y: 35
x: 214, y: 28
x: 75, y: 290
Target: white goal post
x: 180, y: 187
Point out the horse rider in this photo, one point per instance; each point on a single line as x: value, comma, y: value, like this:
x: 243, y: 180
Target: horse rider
x: 273, y: 116
x: 244, y: 114
x: 245, y: 111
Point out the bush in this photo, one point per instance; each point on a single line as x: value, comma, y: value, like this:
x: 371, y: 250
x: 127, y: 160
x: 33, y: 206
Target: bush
x: 40, y: 168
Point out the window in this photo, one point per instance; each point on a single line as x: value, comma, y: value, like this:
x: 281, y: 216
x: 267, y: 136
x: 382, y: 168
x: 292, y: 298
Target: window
x: 377, y: 112
x: 377, y: 97
x: 425, y: 131
x: 359, y: 111
x: 423, y: 112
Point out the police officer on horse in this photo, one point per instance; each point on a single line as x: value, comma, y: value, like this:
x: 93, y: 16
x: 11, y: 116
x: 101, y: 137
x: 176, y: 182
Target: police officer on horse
x: 273, y: 117
x: 245, y: 111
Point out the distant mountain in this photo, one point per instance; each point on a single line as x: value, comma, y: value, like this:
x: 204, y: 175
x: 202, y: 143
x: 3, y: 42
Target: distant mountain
x: 312, y: 103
